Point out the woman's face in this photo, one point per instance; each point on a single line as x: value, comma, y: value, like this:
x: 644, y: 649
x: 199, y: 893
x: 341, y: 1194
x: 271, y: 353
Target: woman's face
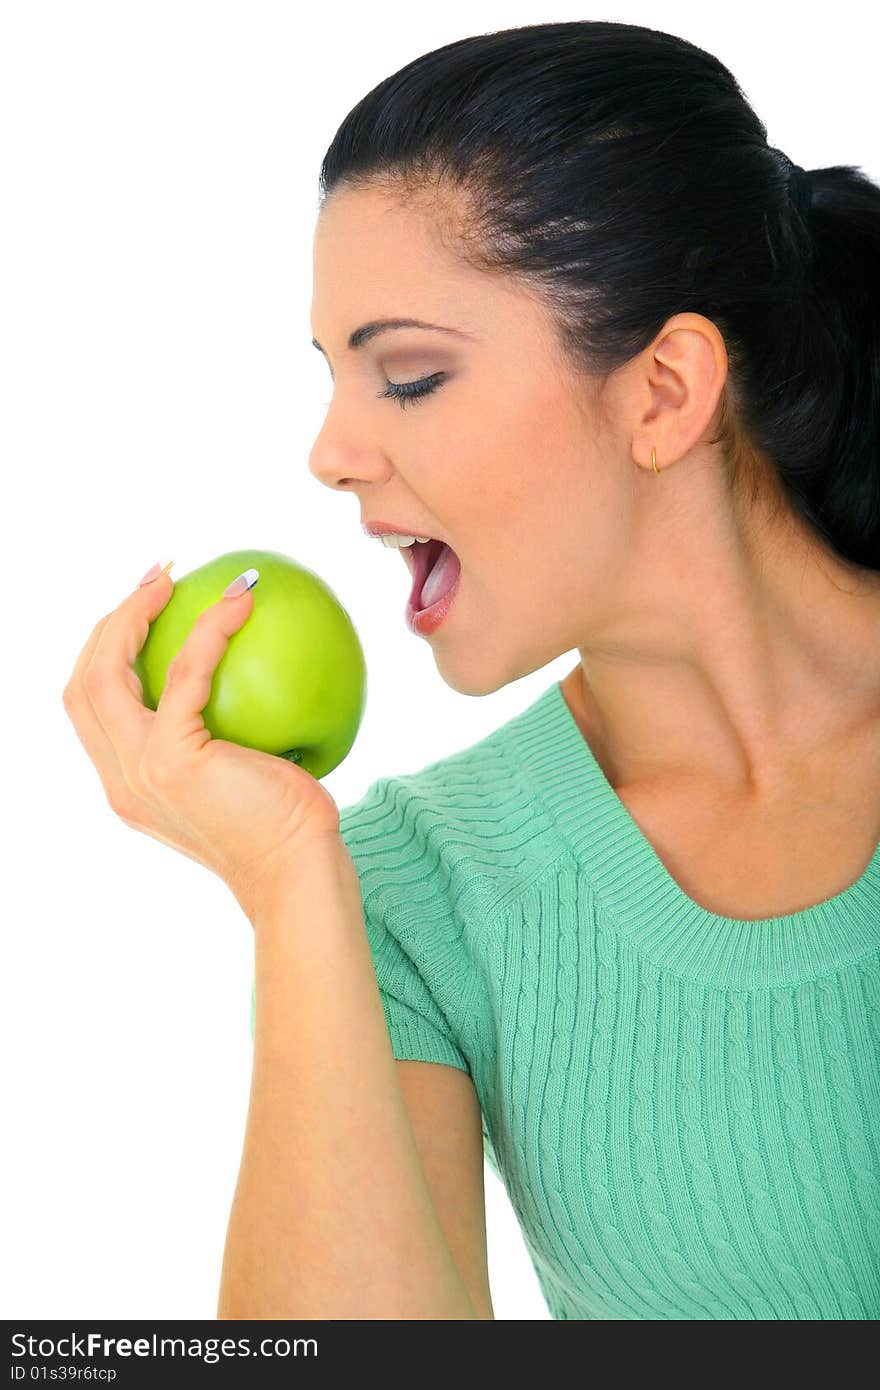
x: 505, y: 459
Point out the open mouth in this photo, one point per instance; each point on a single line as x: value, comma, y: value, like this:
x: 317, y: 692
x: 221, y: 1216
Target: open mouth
x: 435, y: 567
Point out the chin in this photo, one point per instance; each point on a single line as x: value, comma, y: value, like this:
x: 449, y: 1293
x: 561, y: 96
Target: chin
x: 479, y: 682
x: 471, y: 687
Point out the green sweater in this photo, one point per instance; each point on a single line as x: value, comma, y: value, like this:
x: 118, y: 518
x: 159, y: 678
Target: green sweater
x: 684, y: 1108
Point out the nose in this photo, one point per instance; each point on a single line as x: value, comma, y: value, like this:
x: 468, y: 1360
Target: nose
x: 342, y: 457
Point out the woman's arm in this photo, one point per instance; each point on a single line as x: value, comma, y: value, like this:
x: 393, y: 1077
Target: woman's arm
x: 332, y: 1216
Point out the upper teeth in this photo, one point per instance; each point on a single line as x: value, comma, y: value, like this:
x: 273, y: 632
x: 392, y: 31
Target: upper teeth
x: 397, y: 539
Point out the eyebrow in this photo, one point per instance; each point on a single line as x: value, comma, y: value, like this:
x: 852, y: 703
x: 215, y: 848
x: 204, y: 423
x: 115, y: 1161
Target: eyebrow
x: 371, y: 330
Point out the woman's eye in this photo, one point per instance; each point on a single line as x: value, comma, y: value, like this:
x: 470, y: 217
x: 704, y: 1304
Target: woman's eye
x: 411, y: 390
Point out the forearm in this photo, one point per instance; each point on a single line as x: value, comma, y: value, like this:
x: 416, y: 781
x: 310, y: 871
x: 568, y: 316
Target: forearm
x: 332, y: 1215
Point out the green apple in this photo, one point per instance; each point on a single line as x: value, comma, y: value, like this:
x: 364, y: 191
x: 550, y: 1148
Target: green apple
x: 292, y: 680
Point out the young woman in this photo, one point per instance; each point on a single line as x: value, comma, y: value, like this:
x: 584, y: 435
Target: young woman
x: 616, y: 362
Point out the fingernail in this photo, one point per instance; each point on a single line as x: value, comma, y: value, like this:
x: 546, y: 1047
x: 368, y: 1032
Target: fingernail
x: 241, y: 584
x: 154, y: 572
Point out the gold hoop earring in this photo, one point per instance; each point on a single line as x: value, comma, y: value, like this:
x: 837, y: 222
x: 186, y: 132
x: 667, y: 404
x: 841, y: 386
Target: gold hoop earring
x: 654, y: 460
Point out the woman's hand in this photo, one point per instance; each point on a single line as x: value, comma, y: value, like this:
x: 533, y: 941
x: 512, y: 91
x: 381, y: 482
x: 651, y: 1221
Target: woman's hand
x: 244, y: 814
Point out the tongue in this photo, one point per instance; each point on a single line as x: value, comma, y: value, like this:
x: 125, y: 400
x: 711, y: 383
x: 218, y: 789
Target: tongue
x: 443, y: 575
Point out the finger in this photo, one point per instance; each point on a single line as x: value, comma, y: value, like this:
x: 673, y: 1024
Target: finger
x: 110, y: 681
x: 74, y: 685
x: 178, y: 727
x: 88, y: 651
x: 88, y: 727
x: 100, y: 750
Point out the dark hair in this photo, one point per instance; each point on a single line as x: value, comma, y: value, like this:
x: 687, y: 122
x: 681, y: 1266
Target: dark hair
x: 621, y: 173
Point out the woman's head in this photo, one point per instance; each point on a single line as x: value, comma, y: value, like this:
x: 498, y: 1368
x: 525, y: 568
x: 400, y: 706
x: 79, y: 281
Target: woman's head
x: 594, y: 206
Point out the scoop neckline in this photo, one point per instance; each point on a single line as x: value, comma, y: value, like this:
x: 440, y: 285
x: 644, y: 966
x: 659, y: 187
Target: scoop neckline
x: 636, y: 891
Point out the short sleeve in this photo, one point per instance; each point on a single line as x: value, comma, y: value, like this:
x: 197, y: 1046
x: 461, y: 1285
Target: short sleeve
x: 414, y: 946
x: 416, y: 1025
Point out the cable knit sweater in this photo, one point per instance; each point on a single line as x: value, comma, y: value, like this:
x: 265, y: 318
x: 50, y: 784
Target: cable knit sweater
x: 684, y: 1108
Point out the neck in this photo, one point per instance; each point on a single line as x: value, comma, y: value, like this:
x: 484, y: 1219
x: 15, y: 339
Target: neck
x: 738, y: 680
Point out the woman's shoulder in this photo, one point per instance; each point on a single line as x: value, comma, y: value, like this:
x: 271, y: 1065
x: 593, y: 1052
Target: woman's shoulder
x: 466, y: 822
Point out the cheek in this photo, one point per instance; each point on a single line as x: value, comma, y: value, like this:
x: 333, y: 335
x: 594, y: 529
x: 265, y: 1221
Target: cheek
x: 513, y: 487
x: 542, y: 562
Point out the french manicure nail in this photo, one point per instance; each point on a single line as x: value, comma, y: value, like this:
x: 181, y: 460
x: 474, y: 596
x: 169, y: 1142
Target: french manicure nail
x: 241, y: 584
x: 154, y: 572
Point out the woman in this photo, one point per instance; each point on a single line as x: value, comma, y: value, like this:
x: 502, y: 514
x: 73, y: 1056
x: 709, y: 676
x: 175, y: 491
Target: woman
x: 627, y: 945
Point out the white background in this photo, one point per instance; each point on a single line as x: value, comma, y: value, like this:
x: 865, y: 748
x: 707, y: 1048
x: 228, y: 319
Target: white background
x: 159, y: 173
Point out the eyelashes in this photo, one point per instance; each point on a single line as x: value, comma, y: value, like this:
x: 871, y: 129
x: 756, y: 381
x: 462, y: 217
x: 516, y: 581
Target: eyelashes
x: 408, y: 392
x: 411, y: 391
